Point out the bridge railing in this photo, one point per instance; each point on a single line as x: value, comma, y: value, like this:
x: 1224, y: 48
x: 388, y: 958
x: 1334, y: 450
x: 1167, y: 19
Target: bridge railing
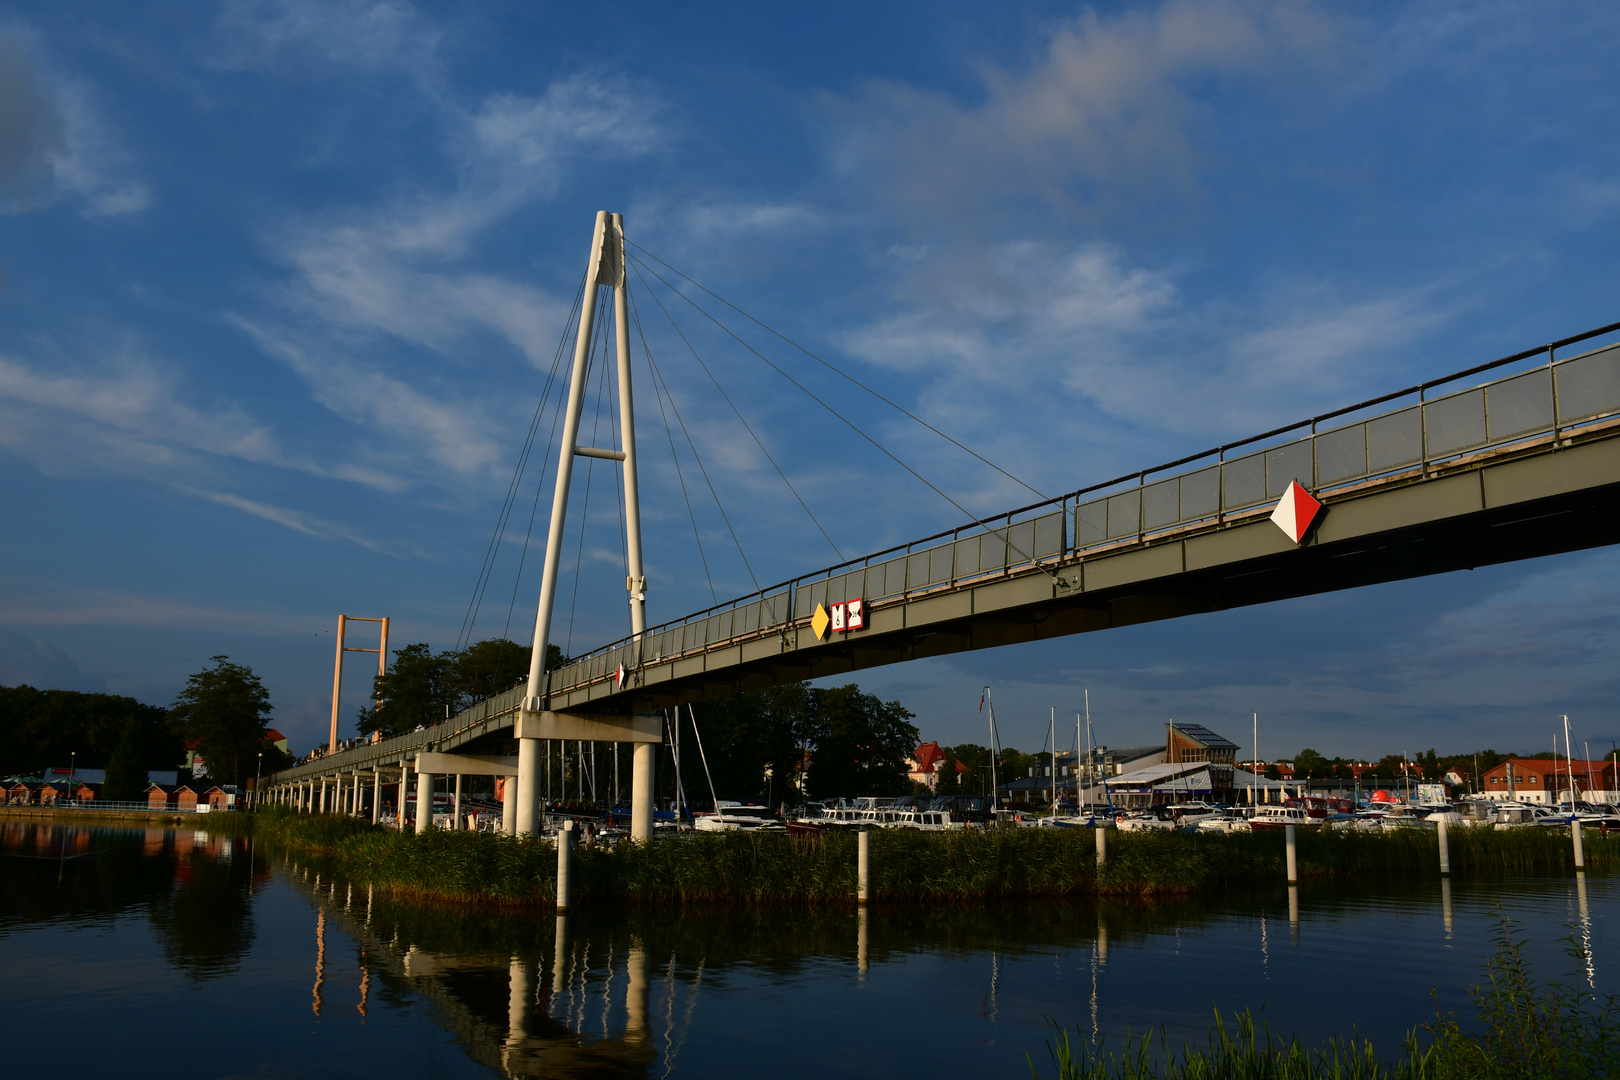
x: 1421, y: 432
x: 1549, y: 400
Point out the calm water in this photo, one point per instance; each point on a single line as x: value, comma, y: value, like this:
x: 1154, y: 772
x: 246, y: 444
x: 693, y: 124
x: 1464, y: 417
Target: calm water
x: 151, y: 950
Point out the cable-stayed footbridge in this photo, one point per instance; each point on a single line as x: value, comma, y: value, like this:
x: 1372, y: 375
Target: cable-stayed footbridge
x: 1511, y: 459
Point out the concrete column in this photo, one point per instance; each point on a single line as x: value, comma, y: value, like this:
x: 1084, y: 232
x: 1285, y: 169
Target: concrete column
x: 565, y: 866
x: 509, y: 806
x: 404, y: 789
x: 1445, y: 848
x: 456, y: 824
x: 424, y: 801
x: 322, y: 803
x: 354, y: 796
x: 643, y: 762
x: 1293, y: 860
x: 1102, y: 844
x: 1580, y: 849
x: 376, y: 796
x: 863, y: 864
x: 528, y: 788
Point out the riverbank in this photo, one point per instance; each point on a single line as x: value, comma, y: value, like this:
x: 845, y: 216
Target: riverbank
x: 88, y: 816
x: 906, y: 866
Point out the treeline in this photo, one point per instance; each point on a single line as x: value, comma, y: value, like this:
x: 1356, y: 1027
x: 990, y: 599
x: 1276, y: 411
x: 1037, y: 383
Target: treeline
x: 224, y: 713
x: 771, y: 744
x: 44, y: 728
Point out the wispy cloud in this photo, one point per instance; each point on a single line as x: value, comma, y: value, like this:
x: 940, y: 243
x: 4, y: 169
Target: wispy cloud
x: 53, y: 143
x: 1109, y: 111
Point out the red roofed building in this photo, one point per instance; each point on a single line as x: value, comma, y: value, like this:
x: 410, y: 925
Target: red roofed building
x: 1541, y: 780
x: 924, y: 765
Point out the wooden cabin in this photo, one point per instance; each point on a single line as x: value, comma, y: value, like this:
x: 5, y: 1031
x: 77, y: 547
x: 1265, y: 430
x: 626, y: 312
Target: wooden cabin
x: 157, y: 797
x: 185, y: 800
x: 86, y: 792
x: 217, y: 798
x: 20, y: 793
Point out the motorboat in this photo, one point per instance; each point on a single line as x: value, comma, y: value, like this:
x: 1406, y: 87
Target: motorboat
x: 1230, y: 821
x: 1515, y: 815
x: 1279, y: 816
x: 1168, y: 817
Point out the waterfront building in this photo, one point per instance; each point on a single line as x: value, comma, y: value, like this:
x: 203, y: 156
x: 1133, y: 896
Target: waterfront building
x: 1543, y: 780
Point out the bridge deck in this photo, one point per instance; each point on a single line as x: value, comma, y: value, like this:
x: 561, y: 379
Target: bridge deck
x: 1526, y: 465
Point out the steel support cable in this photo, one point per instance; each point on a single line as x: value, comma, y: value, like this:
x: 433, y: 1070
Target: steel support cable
x: 635, y: 317
x: 1006, y: 535
x: 840, y: 372
x: 659, y: 378
x: 486, y: 569
x: 757, y: 441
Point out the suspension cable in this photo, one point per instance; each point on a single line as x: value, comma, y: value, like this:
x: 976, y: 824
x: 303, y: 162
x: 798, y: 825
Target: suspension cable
x: 487, y: 568
x: 1006, y: 535
x: 734, y: 409
x: 680, y: 477
x: 838, y: 371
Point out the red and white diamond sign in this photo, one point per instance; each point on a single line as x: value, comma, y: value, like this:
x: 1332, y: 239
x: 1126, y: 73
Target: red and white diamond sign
x: 620, y: 676
x: 1295, y: 512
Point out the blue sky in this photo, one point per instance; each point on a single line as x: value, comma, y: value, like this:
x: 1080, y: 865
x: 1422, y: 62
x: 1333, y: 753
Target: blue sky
x: 282, y: 283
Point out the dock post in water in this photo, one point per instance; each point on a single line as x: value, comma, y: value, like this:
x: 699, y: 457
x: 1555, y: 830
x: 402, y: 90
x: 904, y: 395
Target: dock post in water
x: 1293, y: 855
x: 1580, y: 850
x: 565, y: 865
x: 863, y: 864
x: 1445, y: 848
x: 1102, y: 844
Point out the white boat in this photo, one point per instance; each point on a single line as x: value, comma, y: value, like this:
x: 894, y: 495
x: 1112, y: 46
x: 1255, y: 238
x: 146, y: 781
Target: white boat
x: 1169, y: 817
x: 1277, y: 817
x: 733, y: 817
x: 1228, y: 821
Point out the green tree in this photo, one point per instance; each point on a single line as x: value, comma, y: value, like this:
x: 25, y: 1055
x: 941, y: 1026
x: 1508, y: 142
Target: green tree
x: 860, y: 744
x: 225, y: 710
x: 418, y: 689
x: 423, y: 687
x: 126, y: 769
x: 1309, y: 765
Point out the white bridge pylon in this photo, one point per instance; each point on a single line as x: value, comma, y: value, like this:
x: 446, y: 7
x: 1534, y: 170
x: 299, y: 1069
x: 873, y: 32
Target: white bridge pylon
x: 536, y: 722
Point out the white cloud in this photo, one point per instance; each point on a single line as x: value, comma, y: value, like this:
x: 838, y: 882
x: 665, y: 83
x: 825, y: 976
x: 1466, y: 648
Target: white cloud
x: 1111, y: 109
x: 351, y: 33
x: 27, y: 602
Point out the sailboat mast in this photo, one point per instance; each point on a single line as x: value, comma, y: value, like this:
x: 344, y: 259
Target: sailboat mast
x: 1254, y: 766
x: 1054, y: 759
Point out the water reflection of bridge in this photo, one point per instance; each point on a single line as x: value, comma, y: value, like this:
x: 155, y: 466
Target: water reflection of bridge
x: 581, y: 1009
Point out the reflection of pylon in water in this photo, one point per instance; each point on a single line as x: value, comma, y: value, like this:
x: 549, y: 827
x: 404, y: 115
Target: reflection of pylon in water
x: 365, y: 983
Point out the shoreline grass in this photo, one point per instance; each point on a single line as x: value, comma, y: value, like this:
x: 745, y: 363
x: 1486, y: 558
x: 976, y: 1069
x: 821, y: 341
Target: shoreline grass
x: 740, y: 868
x: 1522, y: 1029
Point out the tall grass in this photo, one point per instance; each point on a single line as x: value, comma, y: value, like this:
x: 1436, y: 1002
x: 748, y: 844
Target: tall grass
x: 1522, y: 1030
x: 906, y: 866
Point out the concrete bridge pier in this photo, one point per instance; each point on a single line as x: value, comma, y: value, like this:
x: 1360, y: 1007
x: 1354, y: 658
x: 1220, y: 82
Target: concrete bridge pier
x: 455, y: 808
x: 354, y: 795
x: 533, y: 725
x: 424, y: 796
x: 376, y: 796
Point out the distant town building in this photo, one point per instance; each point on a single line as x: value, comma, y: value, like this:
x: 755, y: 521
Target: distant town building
x: 923, y: 765
x: 1196, y: 743
x: 1542, y: 780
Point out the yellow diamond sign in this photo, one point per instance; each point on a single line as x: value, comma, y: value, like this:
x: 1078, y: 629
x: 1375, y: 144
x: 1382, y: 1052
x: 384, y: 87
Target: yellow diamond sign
x: 820, y: 621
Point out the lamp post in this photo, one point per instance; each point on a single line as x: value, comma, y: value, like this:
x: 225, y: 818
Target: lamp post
x: 258, y: 771
x: 73, y: 772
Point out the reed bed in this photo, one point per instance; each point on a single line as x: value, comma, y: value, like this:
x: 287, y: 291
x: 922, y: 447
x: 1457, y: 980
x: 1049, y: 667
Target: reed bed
x: 970, y: 865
